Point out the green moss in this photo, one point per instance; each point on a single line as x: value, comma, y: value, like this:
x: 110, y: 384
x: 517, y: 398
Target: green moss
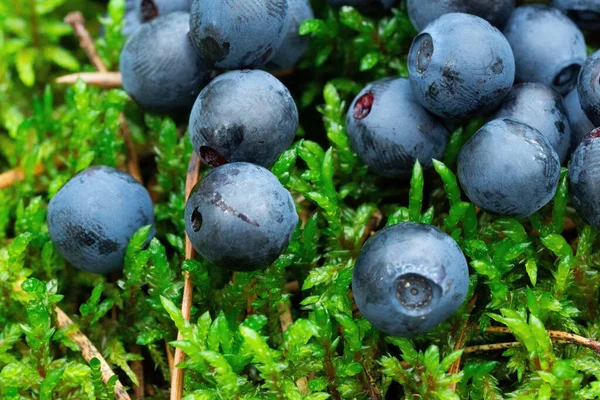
x: 528, y: 275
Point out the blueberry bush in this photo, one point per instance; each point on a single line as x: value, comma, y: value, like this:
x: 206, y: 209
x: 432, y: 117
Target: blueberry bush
x: 527, y: 329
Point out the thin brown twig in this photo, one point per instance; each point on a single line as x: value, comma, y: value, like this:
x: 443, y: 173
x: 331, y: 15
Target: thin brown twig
x: 503, y: 346
x: 138, y: 369
x: 16, y: 175
x: 89, y: 351
x: 169, y: 356
x: 105, y: 80
x: 193, y: 175
x: 558, y: 336
x: 133, y: 164
x: 76, y: 20
x: 462, y: 338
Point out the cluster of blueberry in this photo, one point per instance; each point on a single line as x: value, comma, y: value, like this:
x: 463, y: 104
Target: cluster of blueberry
x: 181, y: 45
x: 460, y: 66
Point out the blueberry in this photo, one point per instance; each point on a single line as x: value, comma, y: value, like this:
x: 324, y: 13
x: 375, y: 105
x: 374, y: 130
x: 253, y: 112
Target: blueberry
x: 131, y: 20
x: 238, y: 33
x: 409, y: 278
x: 422, y: 12
x: 509, y: 168
x: 161, y: 70
x: 93, y: 216
x: 580, y: 124
x: 363, y: 4
x: 240, y: 217
x: 540, y: 107
x: 460, y: 66
x: 245, y: 116
x: 548, y: 46
x: 585, y: 13
x: 584, y: 177
x: 589, y: 88
x: 390, y: 130
x: 294, y: 45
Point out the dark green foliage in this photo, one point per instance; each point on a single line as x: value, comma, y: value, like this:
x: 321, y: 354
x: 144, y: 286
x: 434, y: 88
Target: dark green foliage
x: 528, y: 275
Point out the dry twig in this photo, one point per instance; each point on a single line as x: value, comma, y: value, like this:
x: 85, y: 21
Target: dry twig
x: 105, y: 80
x: 76, y: 20
x: 16, y: 175
x: 557, y: 337
x: 89, y: 351
x: 193, y: 175
x: 462, y: 338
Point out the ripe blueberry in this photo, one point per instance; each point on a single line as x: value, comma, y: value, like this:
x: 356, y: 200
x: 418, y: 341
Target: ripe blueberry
x: 245, y: 116
x: 390, y: 130
x: 585, y: 13
x: 161, y: 70
x: 540, y: 107
x: 589, y: 88
x: 240, y: 217
x: 509, y: 168
x: 409, y: 278
x: 238, y: 33
x: 93, y: 216
x: 294, y: 45
x: 460, y: 66
x: 548, y: 46
x: 422, y: 12
x: 580, y: 124
x: 584, y: 177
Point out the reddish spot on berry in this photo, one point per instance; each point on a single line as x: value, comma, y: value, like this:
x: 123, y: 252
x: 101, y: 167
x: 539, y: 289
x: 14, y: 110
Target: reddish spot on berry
x: 149, y: 10
x: 594, y: 134
x: 212, y: 157
x: 363, y: 105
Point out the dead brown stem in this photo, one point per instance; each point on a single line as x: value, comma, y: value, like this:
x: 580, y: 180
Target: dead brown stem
x: 76, y: 20
x: 133, y: 164
x: 89, y: 351
x: 462, y: 338
x: 169, y: 356
x: 138, y: 369
x: 193, y: 175
x: 16, y: 175
x: 557, y: 336
x: 105, y: 80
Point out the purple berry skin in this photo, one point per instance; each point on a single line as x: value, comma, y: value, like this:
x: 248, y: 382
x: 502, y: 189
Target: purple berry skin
x: 363, y: 4
x: 161, y: 70
x: 294, y: 45
x: 246, y: 116
x: 589, y: 88
x: 93, y: 216
x: 409, y: 278
x: 390, y: 130
x: 422, y: 12
x: 585, y: 13
x: 584, y: 178
x: 460, y: 66
x: 233, y: 232
x: 236, y: 34
x: 540, y: 107
x: 548, y: 47
x: 581, y: 126
x: 508, y: 168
